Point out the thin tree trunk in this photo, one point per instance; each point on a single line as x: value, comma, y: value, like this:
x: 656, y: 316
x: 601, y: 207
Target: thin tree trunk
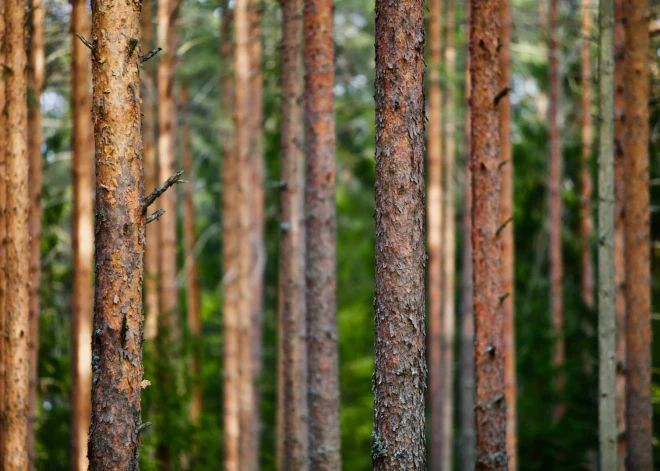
x: 82, y: 299
x: 434, y: 239
x: 293, y: 323
x: 506, y: 236
x: 619, y: 228
x: 323, y: 374
x: 399, y: 363
x: 18, y: 242
x: 606, y: 268
x: 490, y: 407
x: 586, y: 222
x: 554, y: 196
x: 637, y: 236
x: 3, y: 230
x: 35, y: 137
x: 114, y: 436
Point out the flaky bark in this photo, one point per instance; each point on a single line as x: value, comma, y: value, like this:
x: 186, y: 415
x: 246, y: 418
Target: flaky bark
x: 586, y: 222
x: 398, y: 440
x: 606, y: 285
x: 434, y: 238
x: 35, y: 137
x: 506, y: 236
x: 637, y: 236
x: 293, y: 323
x: 114, y: 437
x: 82, y: 299
x: 3, y: 229
x: 323, y: 374
x: 490, y: 407
x: 18, y: 244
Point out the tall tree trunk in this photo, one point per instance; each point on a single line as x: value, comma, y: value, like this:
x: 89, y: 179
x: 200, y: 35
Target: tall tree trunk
x: 323, y: 374
x: 292, y: 400
x: 230, y: 256
x: 3, y: 228
x: 586, y: 223
x: 399, y: 364
x: 619, y: 227
x: 18, y: 239
x: 554, y: 196
x: 606, y: 268
x: 114, y: 436
x: 506, y: 236
x: 35, y: 137
x: 149, y: 122
x: 82, y: 299
x: 434, y: 239
x: 192, y: 277
x: 637, y: 235
x: 490, y: 407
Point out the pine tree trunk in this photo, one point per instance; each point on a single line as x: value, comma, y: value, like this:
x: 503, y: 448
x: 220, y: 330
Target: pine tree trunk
x: 619, y: 227
x: 490, y: 407
x: 506, y: 236
x: 82, y: 300
x: 399, y: 363
x: 606, y: 268
x: 119, y: 228
x: 434, y: 238
x: 18, y: 242
x: 554, y: 195
x: 292, y: 400
x: 637, y: 236
x: 3, y: 231
x: 323, y: 375
x: 35, y: 137
x: 586, y: 223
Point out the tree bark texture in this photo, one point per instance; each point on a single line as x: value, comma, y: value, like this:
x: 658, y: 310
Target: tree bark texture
x: 114, y: 437
x: 82, y: 300
x: 490, y: 407
x: 639, y: 453
x: 323, y: 376
x: 434, y: 238
x: 3, y: 229
x: 35, y: 137
x: 18, y: 242
x: 606, y: 231
x: 400, y: 368
x: 293, y: 322
x: 586, y: 222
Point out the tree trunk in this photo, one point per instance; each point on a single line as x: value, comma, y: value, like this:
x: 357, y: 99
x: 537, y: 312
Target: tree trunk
x: 323, y: 374
x: 637, y: 236
x: 619, y: 227
x: 434, y: 239
x: 586, y: 223
x: 82, y: 299
x: 114, y: 437
x: 490, y: 408
x: 293, y: 326
x: 554, y: 195
x: 18, y: 242
x: 506, y: 236
x: 400, y: 368
x: 35, y: 138
x: 3, y: 229
x: 606, y: 268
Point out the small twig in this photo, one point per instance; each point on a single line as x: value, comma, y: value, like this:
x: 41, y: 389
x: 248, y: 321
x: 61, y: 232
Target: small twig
x: 502, y: 164
x: 173, y: 180
x: 504, y: 224
x: 144, y: 58
x: 143, y: 426
x: 155, y: 216
x: 502, y: 93
x: 86, y: 43
x: 503, y: 297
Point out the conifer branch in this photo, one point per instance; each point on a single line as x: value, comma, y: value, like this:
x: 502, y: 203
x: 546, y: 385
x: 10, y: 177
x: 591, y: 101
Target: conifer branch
x: 86, y: 42
x: 173, y: 180
x: 144, y: 58
x: 155, y: 216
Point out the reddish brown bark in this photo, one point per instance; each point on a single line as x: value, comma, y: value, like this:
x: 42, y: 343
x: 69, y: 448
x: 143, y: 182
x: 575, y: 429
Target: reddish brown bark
x: 639, y: 452
x: 82, y: 299
x: 3, y: 229
x: 506, y: 236
x: 18, y: 243
x: 323, y: 374
x: 586, y: 220
x: 490, y: 407
x: 293, y: 323
x: 114, y: 437
x: 399, y: 363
